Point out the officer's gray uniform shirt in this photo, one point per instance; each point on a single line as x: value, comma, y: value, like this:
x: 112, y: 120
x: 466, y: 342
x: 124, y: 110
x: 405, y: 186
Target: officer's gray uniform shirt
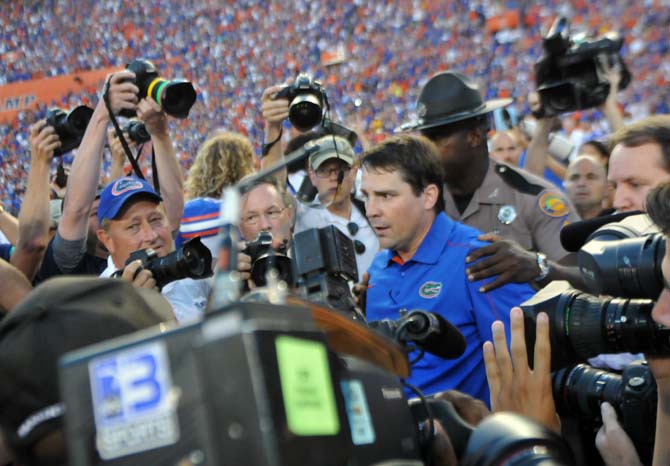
x: 520, y: 206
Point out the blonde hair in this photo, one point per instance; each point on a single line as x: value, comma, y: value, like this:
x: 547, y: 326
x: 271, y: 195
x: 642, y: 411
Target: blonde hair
x: 222, y: 160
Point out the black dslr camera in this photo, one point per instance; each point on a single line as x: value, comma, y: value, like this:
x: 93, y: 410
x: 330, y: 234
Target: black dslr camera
x: 192, y: 260
x: 306, y: 100
x: 579, y: 390
x: 264, y: 258
x: 137, y: 132
x: 570, y: 75
x: 176, y: 97
x: 70, y: 127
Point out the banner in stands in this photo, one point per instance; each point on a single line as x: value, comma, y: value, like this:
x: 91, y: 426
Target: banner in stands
x: 22, y: 95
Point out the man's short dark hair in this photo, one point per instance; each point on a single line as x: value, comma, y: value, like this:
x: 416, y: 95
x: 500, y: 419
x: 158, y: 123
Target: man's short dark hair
x: 415, y: 157
x: 653, y: 129
x: 658, y: 207
x: 599, y: 146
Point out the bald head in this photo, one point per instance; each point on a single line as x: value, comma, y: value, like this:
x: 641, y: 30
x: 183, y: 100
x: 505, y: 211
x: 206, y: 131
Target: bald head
x: 505, y: 148
x: 586, y: 184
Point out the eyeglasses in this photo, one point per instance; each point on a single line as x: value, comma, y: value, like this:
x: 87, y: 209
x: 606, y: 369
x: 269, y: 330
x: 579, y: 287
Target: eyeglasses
x: 353, y: 228
x: 327, y: 172
x: 273, y: 214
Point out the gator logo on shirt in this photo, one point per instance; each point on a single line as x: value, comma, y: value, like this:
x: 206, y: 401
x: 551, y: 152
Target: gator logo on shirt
x: 430, y: 290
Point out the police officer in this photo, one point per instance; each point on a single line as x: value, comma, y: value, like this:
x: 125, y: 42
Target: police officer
x: 521, y: 213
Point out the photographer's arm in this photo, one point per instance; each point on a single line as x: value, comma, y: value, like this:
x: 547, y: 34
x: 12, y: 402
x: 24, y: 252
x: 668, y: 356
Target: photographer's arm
x: 514, y: 387
x: 117, y: 154
x: 85, y: 171
x: 274, y: 113
x: 170, y: 175
x: 34, y: 216
x: 537, y: 154
x: 610, y: 108
x: 556, y: 167
x: 9, y: 225
x: 14, y: 286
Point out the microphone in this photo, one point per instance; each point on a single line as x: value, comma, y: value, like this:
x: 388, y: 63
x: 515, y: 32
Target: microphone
x: 429, y: 331
x: 298, y: 155
x: 574, y: 235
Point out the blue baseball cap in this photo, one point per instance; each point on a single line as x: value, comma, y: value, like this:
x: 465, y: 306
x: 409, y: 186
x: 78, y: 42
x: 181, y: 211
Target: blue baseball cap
x: 118, y: 192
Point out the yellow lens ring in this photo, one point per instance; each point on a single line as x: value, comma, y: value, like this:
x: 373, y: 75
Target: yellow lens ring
x: 153, y: 84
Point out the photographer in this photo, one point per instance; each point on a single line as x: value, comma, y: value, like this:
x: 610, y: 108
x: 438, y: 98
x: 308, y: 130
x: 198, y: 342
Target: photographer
x: 265, y: 207
x: 132, y: 217
x: 75, y: 249
x: 332, y: 170
x: 34, y: 217
x: 639, y: 161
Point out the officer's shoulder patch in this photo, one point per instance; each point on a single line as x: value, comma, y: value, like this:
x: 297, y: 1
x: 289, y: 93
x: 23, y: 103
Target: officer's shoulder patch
x: 553, y: 204
x: 517, y: 180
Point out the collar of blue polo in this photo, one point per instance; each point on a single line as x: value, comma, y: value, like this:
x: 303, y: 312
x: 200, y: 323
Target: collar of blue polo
x: 432, y: 245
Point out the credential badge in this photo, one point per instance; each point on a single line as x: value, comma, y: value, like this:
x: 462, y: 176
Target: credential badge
x: 507, y: 214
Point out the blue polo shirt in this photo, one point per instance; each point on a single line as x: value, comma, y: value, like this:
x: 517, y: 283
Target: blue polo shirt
x: 434, y: 280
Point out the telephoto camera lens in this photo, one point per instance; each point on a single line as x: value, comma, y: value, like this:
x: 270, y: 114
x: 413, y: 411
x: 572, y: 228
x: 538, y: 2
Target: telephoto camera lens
x: 507, y: 439
x: 176, y: 97
x: 583, y: 326
x: 624, y: 259
x: 192, y: 260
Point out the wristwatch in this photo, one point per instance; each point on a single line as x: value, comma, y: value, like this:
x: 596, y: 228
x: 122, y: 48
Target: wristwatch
x: 543, y: 264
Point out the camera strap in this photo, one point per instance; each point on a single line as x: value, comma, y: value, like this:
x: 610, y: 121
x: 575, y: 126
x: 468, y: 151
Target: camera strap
x: 126, y: 148
x: 265, y: 148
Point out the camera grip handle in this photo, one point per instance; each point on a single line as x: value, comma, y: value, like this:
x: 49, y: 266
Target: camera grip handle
x: 456, y: 428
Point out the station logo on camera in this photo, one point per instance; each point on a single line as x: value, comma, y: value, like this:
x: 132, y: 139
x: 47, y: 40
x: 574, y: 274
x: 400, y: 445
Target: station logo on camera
x: 133, y: 401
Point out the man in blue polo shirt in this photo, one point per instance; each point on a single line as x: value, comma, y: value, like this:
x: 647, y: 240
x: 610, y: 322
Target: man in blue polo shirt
x: 422, y: 265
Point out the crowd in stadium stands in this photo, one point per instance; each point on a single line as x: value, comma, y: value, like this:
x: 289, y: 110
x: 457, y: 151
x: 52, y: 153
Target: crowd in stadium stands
x: 233, y: 50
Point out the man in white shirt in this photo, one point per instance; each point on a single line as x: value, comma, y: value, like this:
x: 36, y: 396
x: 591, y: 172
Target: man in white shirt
x: 332, y: 170
x: 132, y: 217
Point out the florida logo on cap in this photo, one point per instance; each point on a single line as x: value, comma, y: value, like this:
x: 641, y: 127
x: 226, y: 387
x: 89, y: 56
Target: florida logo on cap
x: 124, y: 185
